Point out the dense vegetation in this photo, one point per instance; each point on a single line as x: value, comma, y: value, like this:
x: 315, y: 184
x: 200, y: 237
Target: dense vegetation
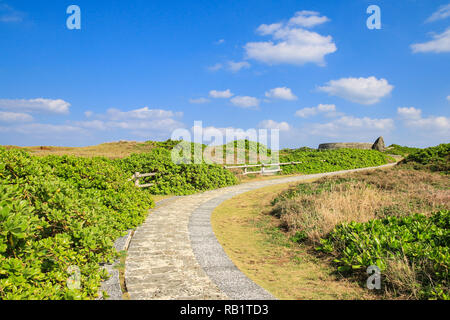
x: 178, y: 179
x: 434, y: 159
x: 413, y: 252
x: 315, y: 161
x: 248, y: 146
x: 56, y: 212
x: 63, y: 211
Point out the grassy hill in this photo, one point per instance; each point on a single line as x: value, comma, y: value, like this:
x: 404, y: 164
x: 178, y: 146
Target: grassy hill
x: 112, y: 150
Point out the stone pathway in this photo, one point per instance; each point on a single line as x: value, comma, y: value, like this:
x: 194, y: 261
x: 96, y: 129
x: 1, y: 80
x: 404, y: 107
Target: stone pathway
x: 175, y: 255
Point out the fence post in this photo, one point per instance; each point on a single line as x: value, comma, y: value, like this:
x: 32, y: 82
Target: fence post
x: 136, y: 183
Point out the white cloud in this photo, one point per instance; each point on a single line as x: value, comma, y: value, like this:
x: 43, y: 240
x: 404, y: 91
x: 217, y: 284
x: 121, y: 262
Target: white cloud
x: 448, y: 98
x: 409, y: 113
x: 266, y: 30
x: 431, y: 123
x: 353, y: 122
x: 306, y: 112
x: 221, y: 41
x: 349, y: 126
x: 271, y: 124
x: 216, y: 67
x: 9, y: 15
x: 199, y: 100
x: 308, y: 19
x: 46, y: 129
x: 139, y: 122
x: 245, y: 101
x: 360, y: 90
x: 35, y: 105
x: 413, y: 118
x: 281, y: 93
x: 166, y: 125
x: 221, y: 94
x: 143, y: 122
x: 440, y: 43
x: 141, y: 114
x: 94, y: 124
x: 15, y: 117
x: 292, y: 44
x: 237, y: 66
x: 232, y: 66
x: 328, y: 109
x: 140, y: 127
x: 442, y: 13
x: 88, y: 114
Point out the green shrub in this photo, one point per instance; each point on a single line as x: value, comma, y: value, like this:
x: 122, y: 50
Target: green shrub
x: 401, y: 150
x: 434, y: 158
x: 421, y: 241
x: 56, y: 212
x: 330, y: 160
x: 180, y: 179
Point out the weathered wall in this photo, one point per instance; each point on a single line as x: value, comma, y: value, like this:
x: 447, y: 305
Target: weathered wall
x: 349, y: 145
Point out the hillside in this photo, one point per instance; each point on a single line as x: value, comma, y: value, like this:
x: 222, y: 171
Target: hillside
x: 112, y: 150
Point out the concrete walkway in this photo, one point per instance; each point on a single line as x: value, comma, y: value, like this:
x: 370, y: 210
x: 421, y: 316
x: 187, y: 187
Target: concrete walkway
x: 175, y: 254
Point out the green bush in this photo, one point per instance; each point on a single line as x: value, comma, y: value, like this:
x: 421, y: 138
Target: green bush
x: 421, y: 241
x: 249, y: 146
x: 180, y: 179
x: 401, y: 150
x: 56, y: 212
x: 434, y: 158
x: 330, y: 160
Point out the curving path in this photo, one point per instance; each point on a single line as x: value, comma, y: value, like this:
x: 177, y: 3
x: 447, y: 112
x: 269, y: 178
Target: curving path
x: 175, y: 255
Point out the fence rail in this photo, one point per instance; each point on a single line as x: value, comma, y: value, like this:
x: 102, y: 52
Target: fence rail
x: 263, y: 167
x: 138, y: 175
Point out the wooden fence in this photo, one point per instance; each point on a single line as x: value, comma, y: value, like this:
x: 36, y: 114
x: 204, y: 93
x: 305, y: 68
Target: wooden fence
x: 138, y: 175
x: 263, y: 171
x: 263, y: 167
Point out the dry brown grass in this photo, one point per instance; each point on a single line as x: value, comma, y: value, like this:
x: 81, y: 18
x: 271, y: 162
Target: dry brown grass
x: 402, y: 278
x: 250, y: 237
x: 362, y: 197
x: 112, y: 150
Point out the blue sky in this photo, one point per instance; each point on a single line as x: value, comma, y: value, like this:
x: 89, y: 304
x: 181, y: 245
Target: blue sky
x: 137, y: 70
